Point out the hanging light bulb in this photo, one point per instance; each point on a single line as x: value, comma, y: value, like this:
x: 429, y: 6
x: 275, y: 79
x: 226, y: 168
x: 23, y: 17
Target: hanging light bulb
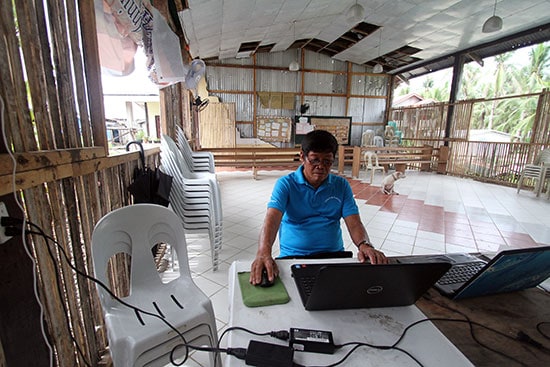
x: 493, y: 23
x: 378, y: 68
x: 294, y: 66
x: 355, y: 13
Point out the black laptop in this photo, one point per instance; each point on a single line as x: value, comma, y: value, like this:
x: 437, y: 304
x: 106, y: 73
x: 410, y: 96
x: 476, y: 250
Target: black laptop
x: 508, y: 271
x: 356, y: 285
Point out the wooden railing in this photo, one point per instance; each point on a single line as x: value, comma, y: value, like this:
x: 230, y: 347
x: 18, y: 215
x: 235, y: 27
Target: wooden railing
x: 256, y: 158
x: 494, y: 162
x: 399, y: 158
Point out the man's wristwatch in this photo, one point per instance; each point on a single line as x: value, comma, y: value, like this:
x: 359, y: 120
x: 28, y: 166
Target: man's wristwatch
x: 365, y: 242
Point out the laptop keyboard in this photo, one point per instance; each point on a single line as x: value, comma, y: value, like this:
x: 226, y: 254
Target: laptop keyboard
x: 461, y: 273
x: 307, y: 282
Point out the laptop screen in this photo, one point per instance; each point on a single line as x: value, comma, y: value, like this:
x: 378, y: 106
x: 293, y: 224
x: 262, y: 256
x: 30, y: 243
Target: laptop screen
x: 510, y: 271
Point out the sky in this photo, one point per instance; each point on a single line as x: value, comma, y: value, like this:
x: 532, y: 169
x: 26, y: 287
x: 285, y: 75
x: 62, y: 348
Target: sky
x: 520, y: 58
x: 136, y: 83
x: 116, y: 90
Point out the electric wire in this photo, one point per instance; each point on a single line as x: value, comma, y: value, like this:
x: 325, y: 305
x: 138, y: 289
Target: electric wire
x: 59, y: 285
x: 185, y: 344
x: 25, y: 245
x: 471, y: 324
x: 363, y: 344
x: 539, y: 329
x: 474, y: 337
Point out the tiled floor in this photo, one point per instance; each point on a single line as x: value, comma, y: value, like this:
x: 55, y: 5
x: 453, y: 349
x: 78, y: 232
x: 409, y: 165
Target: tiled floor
x: 432, y: 214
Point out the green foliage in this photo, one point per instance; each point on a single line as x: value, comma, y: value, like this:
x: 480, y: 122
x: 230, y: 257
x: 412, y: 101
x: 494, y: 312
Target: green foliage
x: 500, y: 76
x: 140, y: 135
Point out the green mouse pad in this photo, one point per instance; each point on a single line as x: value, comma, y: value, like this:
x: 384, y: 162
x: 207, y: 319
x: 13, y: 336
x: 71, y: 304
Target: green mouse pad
x: 256, y: 296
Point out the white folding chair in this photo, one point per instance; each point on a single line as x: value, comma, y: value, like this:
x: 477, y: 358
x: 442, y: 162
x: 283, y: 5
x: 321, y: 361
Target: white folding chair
x: 539, y: 171
x: 378, y: 141
x: 372, y: 166
x: 136, y: 338
x: 367, y: 138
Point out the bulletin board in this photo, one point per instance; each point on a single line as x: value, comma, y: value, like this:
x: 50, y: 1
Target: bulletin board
x: 339, y: 126
x: 274, y: 128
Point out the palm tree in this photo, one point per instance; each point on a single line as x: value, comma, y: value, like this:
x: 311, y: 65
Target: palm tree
x: 539, y: 58
x: 532, y: 78
x: 498, y: 83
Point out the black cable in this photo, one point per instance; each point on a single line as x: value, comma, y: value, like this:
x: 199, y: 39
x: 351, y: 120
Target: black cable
x: 474, y: 337
x: 12, y: 229
x: 527, y: 339
x: 363, y: 344
x: 471, y: 324
x: 137, y: 309
x: 539, y: 329
x: 59, y: 285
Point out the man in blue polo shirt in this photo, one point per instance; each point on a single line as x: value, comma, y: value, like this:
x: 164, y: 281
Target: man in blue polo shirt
x: 305, y: 209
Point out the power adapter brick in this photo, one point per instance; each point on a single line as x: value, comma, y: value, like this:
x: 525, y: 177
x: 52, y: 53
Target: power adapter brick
x: 268, y: 355
x: 306, y: 340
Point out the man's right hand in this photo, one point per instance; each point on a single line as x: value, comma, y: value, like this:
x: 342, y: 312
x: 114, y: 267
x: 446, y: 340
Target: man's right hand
x: 259, y: 263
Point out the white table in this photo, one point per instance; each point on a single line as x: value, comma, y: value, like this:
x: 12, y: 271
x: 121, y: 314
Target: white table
x: 379, y: 326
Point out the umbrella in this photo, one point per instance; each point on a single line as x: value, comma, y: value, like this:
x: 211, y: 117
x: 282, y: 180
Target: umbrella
x: 149, y: 186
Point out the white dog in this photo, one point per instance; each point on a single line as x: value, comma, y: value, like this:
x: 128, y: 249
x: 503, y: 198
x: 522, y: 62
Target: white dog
x: 389, y: 181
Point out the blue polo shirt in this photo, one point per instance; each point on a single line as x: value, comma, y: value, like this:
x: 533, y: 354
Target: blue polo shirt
x: 311, y: 217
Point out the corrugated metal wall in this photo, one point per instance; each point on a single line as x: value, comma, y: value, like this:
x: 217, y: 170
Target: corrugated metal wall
x: 277, y: 81
x: 322, y: 83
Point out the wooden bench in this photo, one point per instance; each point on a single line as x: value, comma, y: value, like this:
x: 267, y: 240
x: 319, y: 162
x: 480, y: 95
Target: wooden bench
x: 255, y: 158
x: 399, y: 157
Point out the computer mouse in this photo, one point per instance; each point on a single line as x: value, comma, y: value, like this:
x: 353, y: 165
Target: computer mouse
x: 265, y: 280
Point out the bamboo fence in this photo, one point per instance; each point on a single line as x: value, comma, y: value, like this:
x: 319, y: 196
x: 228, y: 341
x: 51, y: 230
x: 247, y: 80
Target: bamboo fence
x: 494, y: 162
x: 54, y: 122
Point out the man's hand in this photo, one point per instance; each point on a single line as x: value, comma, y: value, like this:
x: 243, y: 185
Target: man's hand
x: 373, y: 255
x: 259, y: 263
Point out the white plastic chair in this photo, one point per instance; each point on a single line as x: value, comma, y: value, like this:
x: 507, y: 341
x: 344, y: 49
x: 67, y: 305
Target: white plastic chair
x: 138, y: 339
x: 378, y: 141
x: 390, y: 140
x: 367, y: 138
x: 368, y: 157
x: 170, y: 146
x: 197, y: 161
x: 538, y: 171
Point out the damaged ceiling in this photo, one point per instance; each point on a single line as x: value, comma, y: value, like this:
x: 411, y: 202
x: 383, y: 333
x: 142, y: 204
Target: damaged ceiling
x: 408, y: 37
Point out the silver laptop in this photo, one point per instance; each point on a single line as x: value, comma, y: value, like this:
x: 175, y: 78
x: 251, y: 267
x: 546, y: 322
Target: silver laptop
x: 473, y: 276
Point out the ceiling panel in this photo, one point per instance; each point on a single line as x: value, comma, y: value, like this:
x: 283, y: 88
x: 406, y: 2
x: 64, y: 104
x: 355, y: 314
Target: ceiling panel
x: 438, y: 28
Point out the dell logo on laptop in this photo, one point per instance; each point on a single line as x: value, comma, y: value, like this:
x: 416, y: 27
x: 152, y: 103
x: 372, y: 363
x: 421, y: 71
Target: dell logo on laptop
x: 375, y: 289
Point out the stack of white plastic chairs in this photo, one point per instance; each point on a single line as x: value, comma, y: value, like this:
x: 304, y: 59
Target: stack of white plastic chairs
x: 195, y: 196
x: 196, y: 161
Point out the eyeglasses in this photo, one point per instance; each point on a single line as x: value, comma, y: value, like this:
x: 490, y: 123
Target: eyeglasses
x: 318, y: 162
